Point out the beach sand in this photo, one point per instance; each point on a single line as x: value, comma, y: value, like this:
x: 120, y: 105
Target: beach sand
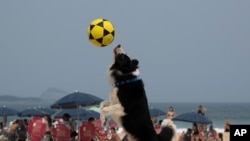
x: 225, y: 136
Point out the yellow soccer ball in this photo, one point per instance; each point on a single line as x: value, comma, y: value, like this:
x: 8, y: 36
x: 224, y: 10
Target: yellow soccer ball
x: 101, y: 32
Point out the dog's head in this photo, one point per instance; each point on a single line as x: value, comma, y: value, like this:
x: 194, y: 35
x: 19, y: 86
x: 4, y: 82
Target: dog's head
x: 125, y: 64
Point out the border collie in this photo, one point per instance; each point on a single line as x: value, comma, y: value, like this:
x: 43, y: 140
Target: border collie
x: 128, y: 103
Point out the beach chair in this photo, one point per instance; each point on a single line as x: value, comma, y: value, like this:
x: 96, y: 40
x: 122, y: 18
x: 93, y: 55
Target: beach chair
x: 35, y: 118
x: 101, y: 133
x: 87, y: 131
x: 61, y: 133
x: 98, y: 123
x: 36, y: 130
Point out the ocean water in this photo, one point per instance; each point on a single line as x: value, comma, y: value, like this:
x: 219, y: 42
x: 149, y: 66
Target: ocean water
x: 236, y: 113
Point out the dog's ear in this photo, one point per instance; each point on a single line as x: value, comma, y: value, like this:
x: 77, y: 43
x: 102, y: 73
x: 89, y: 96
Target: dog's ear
x: 135, y: 62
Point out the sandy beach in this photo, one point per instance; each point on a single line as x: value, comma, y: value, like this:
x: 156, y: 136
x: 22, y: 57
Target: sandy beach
x: 225, y: 136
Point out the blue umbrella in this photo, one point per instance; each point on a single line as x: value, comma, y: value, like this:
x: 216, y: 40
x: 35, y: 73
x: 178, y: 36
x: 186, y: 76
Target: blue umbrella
x: 49, y: 111
x: 36, y: 112
x: 81, y: 114
x: 5, y: 111
x: 154, y: 112
x: 75, y: 100
x: 192, y: 117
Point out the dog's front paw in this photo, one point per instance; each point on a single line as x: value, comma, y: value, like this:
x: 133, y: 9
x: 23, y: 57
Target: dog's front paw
x: 105, y: 110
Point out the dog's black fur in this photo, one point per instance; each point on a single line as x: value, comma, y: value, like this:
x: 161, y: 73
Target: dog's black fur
x: 132, y: 98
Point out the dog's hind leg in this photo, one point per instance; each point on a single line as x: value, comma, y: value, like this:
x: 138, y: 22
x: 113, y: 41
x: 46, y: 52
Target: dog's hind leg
x: 116, y: 111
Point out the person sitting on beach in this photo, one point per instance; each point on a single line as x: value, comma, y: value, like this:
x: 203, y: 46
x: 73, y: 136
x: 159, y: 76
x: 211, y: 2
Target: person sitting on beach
x: 48, y: 124
x: 195, y: 128
x: 221, y: 136
x: 197, y: 137
x: 46, y: 120
x: 201, y: 130
x: 91, y: 120
x: 68, y: 122
x: 11, y: 133
x: 214, y: 136
x: 113, y: 135
x: 171, y: 113
x: 186, y: 136
x: 210, y: 130
x: 22, y: 131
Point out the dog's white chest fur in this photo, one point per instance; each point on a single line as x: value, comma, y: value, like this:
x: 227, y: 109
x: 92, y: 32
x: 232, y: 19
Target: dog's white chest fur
x: 113, y: 107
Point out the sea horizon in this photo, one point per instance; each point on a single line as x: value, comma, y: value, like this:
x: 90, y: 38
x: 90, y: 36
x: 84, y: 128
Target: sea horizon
x: 217, y: 112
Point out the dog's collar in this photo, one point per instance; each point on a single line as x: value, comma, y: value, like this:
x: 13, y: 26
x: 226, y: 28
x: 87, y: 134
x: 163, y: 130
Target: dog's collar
x: 117, y: 84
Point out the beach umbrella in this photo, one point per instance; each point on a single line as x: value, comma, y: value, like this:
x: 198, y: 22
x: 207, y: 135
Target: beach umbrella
x: 75, y: 100
x: 36, y: 112
x: 5, y: 111
x: 154, y: 112
x: 193, y: 118
x: 49, y: 111
x: 81, y: 113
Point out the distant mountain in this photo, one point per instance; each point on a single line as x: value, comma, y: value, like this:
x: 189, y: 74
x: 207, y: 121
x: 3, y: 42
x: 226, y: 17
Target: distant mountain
x: 47, y: 97
x: 52, y: 94
x: 10, y: 98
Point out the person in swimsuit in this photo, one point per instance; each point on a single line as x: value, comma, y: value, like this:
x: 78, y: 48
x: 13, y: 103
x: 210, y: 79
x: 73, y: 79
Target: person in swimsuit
x: 171, y: 113
x: 201, y: 110
x: 227, y: 126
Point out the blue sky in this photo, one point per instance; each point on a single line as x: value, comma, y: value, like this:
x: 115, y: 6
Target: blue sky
x: 189, y: 51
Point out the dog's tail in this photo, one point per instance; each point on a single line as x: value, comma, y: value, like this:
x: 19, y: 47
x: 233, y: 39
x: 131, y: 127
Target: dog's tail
x: 168, y: 131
